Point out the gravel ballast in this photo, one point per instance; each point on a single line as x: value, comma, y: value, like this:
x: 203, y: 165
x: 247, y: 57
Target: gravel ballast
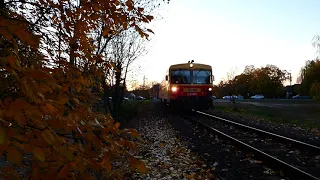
x: 288, y: 130
x: 177, y: 148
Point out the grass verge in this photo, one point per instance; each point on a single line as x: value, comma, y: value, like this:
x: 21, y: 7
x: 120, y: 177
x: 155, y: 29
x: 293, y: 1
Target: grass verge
x: 303, y: 116
x: 131, y: 109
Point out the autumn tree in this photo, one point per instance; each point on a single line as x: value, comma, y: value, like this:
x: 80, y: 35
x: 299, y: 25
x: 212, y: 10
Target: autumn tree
x: 309, y: 74
x: 266, y: 80
x: 50, y: 66
x: 123, y: 50
x: 315, y: 90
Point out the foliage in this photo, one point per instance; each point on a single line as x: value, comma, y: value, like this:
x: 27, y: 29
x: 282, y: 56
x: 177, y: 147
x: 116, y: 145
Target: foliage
x: 309, y: 74
x: 49, y: 68
x: 315, y: 90
x: 265, y: 80
x: 122, y: 50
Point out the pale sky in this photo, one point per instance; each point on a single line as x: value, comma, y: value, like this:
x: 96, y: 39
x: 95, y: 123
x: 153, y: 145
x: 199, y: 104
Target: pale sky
x: 229, y: 34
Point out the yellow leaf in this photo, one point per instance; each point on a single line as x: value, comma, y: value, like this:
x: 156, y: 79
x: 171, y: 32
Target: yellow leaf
x: 14, y: 156
x: 2, y: 135
x: 39, y: 154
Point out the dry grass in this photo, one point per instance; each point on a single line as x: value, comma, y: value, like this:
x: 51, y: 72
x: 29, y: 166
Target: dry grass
x: 299, y: 112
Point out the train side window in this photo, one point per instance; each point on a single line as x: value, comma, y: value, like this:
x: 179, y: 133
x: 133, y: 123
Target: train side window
x: 166, y: 77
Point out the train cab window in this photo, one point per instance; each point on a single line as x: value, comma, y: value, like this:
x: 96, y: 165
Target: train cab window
x: 201, y: 76
x: 180, y: 77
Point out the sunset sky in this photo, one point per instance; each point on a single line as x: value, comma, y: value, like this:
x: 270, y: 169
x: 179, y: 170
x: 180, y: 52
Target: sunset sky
x: 229, y: 34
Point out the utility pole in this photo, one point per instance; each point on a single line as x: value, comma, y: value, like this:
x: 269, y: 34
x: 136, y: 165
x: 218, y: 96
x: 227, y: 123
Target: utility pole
x: 144, y: 82
x: 290, y: 78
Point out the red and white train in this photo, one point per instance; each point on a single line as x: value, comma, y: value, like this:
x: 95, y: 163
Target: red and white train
x: 188, y: 85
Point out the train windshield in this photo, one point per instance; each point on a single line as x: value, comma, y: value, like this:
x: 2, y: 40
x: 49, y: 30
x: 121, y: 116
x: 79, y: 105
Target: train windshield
x: 201, y: 76
x: 180, y: 76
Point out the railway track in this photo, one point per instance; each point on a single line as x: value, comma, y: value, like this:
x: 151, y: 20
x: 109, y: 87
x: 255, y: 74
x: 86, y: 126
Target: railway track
x: 294, y: 158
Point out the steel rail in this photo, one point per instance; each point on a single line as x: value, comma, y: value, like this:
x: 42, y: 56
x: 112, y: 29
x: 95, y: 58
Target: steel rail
x: 309, y: 146
x: 289, y: 169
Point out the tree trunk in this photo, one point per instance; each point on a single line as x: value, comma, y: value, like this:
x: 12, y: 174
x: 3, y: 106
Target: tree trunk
x: 116, y: 98
x: 106, y: 102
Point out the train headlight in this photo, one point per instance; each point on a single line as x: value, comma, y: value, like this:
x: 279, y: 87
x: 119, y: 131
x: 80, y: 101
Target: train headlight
x: 210, y: 89
x: 174, y: 89
x: 191, y: 65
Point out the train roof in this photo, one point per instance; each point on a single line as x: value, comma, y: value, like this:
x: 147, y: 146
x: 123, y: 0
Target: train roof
x: 187, y: 66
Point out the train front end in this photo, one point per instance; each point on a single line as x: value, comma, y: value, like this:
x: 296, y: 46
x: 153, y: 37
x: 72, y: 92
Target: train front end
x: 191, y: 86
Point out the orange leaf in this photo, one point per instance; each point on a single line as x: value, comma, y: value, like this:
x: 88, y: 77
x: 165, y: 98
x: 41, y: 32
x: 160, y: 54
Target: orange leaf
x: 63, y: 99
x: 117, y: 125
x: 105, y: 31
x: 1, y: 104
x: 78, y: 87
x: 20, y: 118
x: 64, y: 171
x: 150, y: 31
x: 95, y: 6
x: 88, y: 176
x: 2, y: 135
x: 39, y: 154
x: 12, y: 61
x: 66, y: 152
x: 47, y: 135
x: 81, y: 167
x: 50, y: 108
x: 4, y: 146
x: 107, y: 164
x: 94, y: 16
x: 142, y: 34
x: 149, y: 17
x: 129, y: 3
x: 14, y: 156
x: 39, y: 74
x: 27, y: 148
x: 134, y: 133
x: 141, y: 167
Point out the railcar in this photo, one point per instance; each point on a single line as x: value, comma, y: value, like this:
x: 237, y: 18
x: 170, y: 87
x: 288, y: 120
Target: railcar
x: 188, y: 85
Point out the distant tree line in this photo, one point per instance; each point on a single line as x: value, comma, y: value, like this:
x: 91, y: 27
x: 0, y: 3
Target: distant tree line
x: 269, y: 80
x: 147, y: 90
x: 265, y: 80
